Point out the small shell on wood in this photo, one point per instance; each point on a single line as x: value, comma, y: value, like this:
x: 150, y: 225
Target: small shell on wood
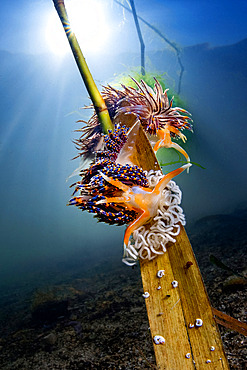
x: 158, y: 339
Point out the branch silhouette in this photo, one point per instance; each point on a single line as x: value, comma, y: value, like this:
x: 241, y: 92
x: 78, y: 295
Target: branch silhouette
x: 139, y: 36
x: 172, y: 44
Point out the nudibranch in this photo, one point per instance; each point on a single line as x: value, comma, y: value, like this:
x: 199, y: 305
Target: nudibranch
x: 118, y: 145
x: 150, y: 240
x: 119, y: 194
x: 156, y: 114
x: 150, y: 106
x: 142, y: 200
x: 94, y: 190
x: 92, y: 138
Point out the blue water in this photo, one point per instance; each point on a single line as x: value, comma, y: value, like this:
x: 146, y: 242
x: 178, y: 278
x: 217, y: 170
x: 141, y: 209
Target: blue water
x: 41, y: 99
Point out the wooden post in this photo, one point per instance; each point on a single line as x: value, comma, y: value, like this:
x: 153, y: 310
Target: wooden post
x: 171, y: 311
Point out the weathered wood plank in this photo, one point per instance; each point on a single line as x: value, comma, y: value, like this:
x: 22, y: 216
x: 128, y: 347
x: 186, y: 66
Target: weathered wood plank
x: 171, y: 310
x: 196, y: 305
x: 165, y: 315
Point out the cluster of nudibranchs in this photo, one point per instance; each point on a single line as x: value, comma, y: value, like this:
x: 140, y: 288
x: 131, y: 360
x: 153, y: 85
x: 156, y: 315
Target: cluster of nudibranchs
x: 152, y: 107
x: 95, y: 194
x: 118, y: 192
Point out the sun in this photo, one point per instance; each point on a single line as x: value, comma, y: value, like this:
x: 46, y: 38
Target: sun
x: 88, y: 21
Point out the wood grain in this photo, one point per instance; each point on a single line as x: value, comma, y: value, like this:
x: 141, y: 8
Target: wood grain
x: 171, y: 310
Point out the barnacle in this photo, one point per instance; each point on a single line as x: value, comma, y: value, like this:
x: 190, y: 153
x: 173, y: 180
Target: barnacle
x: 158, y: 339
x: 174, y: 284
x: 146, y: 295
x: 160, y: 273
x: 198, y: 322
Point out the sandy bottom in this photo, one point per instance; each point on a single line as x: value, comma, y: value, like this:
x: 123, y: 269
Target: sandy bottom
x: 99, y: 321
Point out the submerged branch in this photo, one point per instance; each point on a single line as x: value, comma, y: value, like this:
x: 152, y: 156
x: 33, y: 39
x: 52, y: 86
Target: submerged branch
x: 229, y: 322
x: 140, y: 37
x: 97, y: 100
x: 172, y: 44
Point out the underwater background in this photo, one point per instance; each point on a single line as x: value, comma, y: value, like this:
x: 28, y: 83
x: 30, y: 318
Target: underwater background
x: 43, y: 243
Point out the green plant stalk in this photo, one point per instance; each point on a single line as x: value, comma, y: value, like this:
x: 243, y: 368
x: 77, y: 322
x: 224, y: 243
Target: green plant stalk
x: 97, y: 100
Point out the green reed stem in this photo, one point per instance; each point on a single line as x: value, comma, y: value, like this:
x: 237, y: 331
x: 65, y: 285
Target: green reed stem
x: 97, y: 100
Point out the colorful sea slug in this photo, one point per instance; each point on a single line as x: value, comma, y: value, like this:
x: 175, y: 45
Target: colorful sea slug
x: 150, y: 106
x: 120, y: 194
x: 152, y: 238
x: 157, y: 116
x: 93, y: 188
x: 142, y: 200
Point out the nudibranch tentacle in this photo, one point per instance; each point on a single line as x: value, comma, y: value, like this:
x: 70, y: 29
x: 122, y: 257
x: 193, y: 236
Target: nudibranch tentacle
x: 151, y: 239
x: 93, y: 188
x: 166, y: 142
x: 155, y: 112
x: 153, y: 108
x: 143, y: 200
x: 118, y: 192
x: 150, y: 106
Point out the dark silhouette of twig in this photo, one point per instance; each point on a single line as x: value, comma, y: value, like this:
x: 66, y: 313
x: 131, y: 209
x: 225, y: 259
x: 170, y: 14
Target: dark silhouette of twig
x: 132, y: 4
x: 172, y: 44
